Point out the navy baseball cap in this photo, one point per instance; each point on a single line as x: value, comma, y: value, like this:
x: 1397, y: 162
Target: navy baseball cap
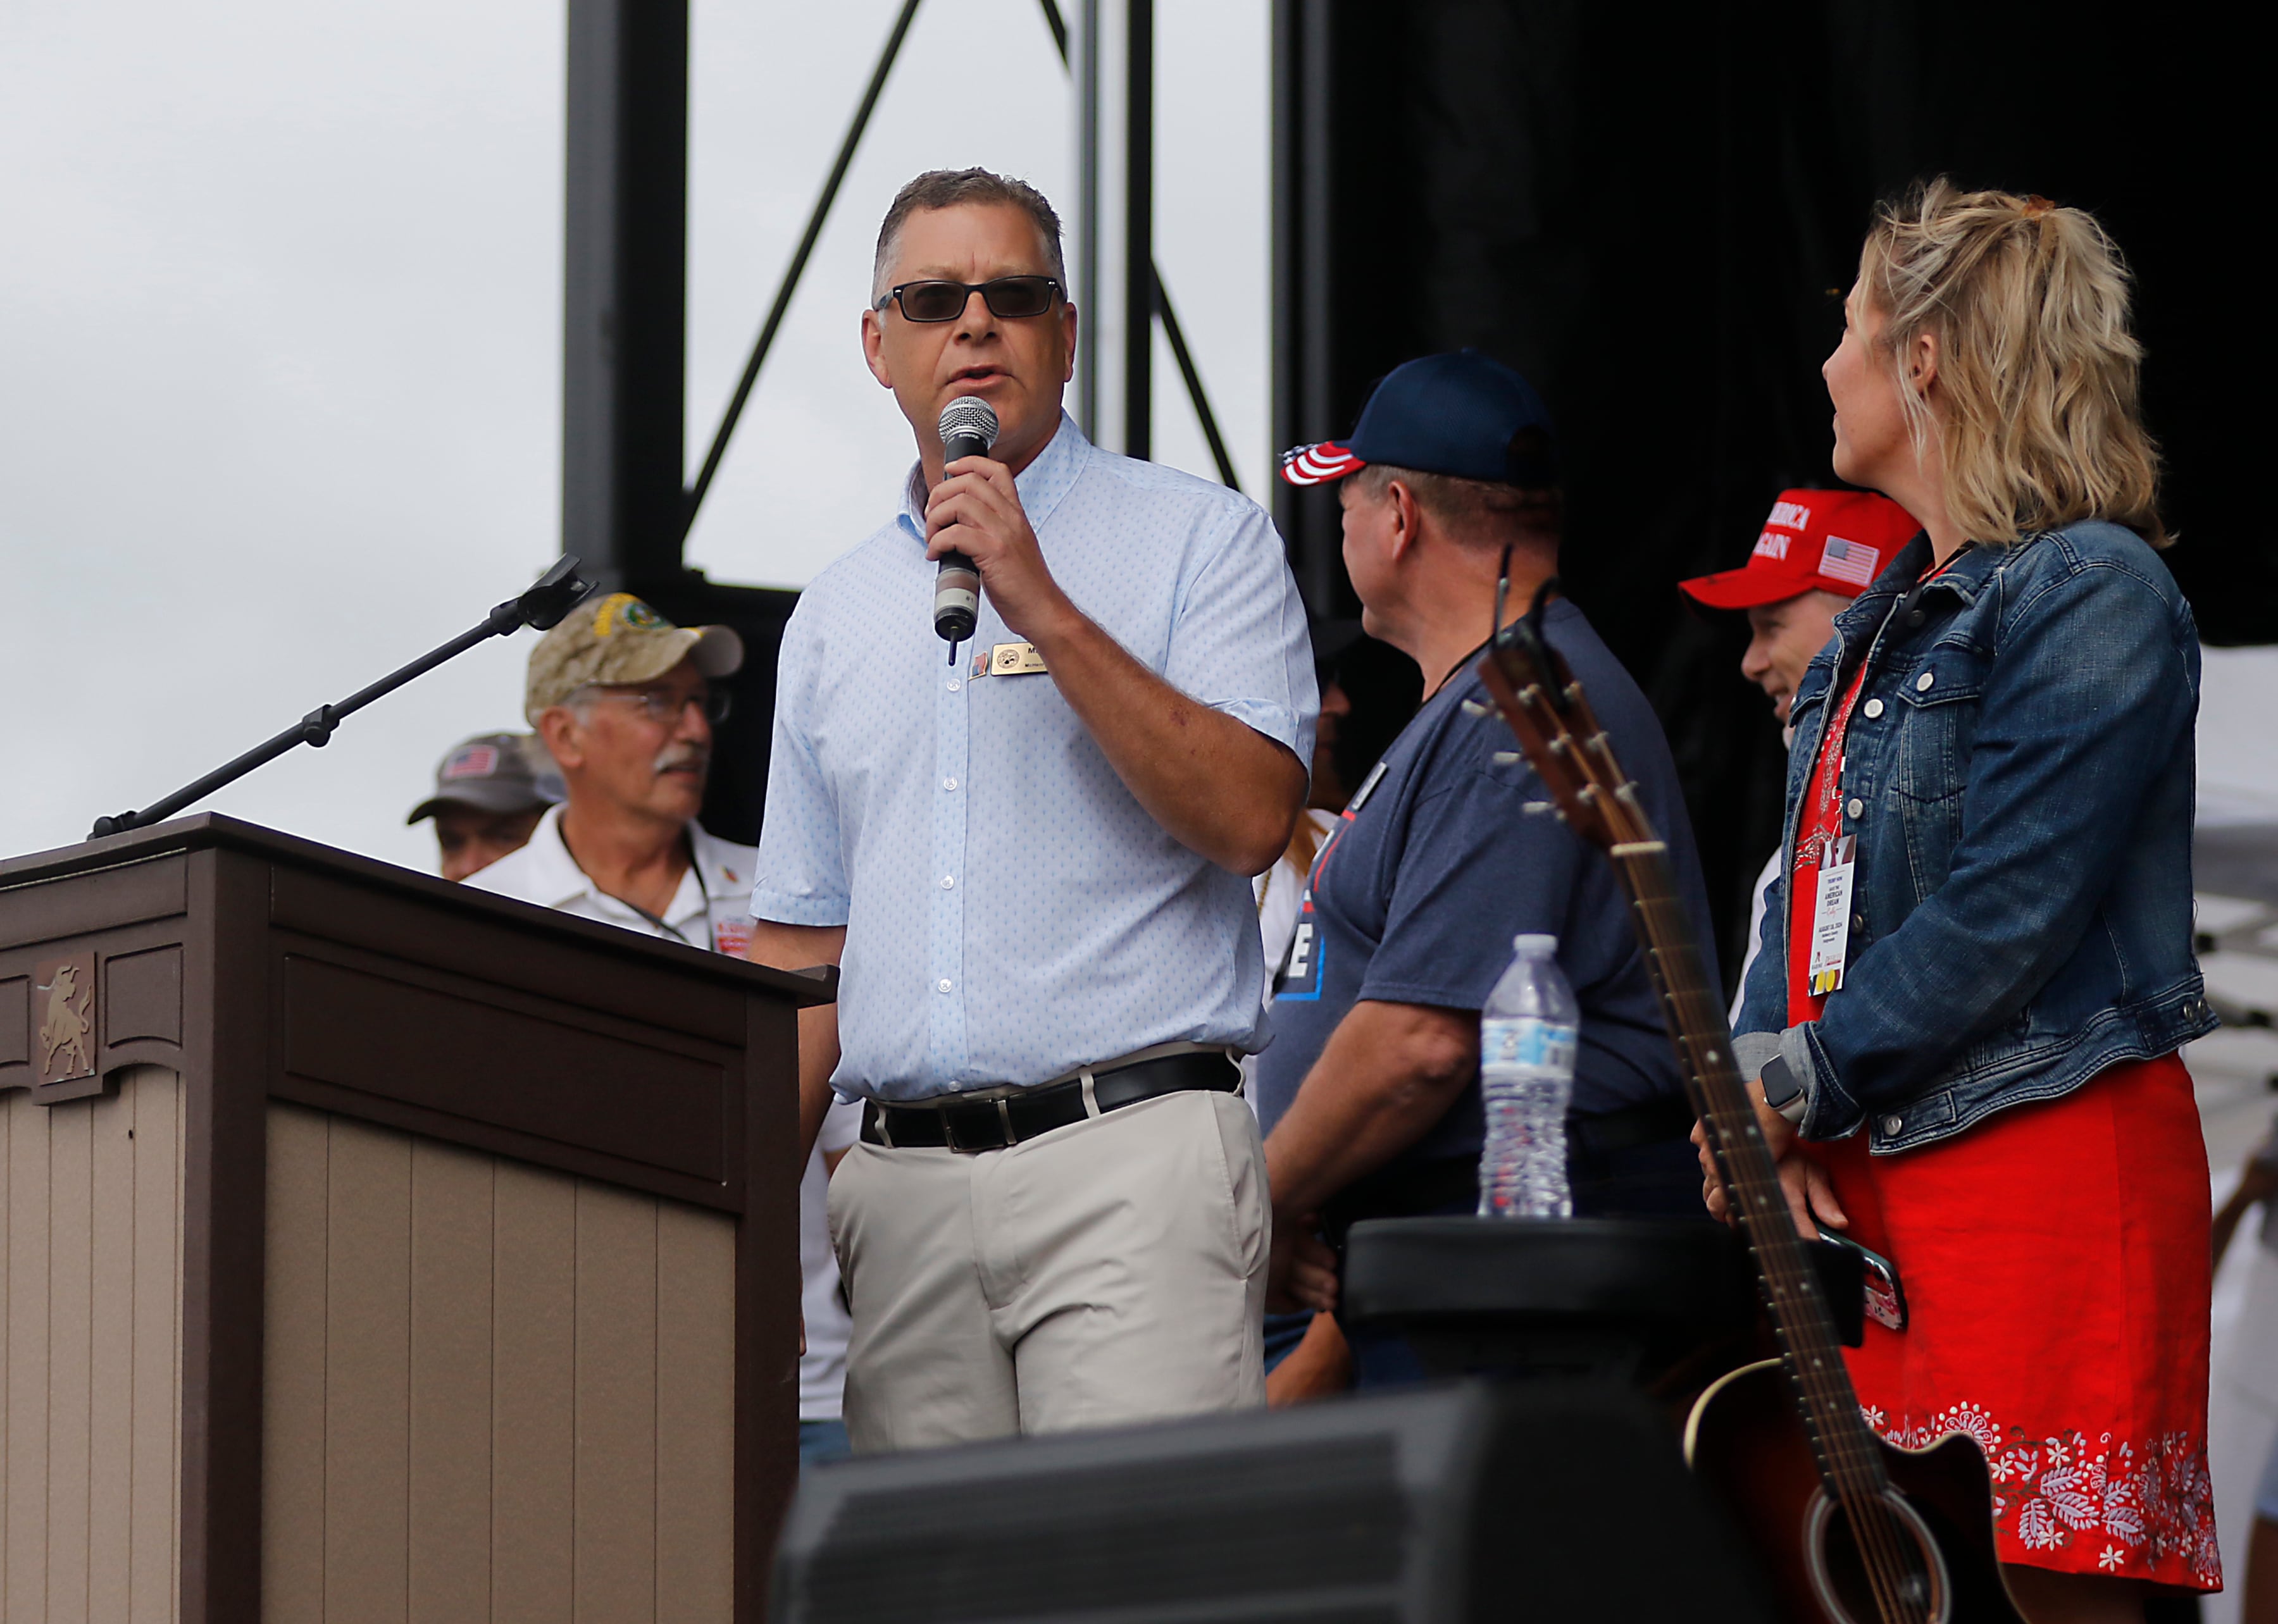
x: 1465, y: 415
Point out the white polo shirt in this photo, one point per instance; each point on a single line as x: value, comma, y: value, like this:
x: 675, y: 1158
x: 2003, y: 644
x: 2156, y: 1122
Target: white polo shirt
x: 1765, y: 882
x: 711, y: 910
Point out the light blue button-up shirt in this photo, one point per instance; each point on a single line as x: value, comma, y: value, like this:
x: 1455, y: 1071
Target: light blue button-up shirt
x: 1011, y: 911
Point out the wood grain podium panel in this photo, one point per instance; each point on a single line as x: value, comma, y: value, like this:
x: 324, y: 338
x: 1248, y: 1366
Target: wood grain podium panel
x: 495, y: 1392
x: 695, y: 1337
x: 633, y: 1104
x: 534, y: 1372
x: 105, y: 896
x: 449, y: 1529
x: 399, y: 923
x: 371, y: 1247
x: 90, y: 1293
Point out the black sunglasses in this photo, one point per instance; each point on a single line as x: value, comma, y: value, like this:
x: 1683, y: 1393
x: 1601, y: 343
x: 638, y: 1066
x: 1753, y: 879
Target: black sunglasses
x: 1009, y: 297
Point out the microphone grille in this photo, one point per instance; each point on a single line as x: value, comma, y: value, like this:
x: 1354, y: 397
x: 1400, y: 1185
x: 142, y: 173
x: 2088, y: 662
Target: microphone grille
x: 971, y: 417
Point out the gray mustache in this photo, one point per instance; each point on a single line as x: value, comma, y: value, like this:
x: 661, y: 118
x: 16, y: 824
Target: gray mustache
x: 683, y: 756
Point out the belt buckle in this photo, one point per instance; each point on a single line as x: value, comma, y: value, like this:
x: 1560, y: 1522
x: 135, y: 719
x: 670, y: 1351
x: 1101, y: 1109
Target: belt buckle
x: 980, y: 1099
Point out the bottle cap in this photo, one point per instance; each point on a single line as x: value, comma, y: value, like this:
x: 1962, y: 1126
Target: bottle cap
x: 1535, y: 943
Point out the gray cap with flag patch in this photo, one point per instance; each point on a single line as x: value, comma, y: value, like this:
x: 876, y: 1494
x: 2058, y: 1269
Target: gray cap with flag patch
x: 493, y: 773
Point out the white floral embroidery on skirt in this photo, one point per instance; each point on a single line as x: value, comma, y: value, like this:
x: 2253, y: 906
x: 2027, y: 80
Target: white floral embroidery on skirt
x: 2148, y: 1503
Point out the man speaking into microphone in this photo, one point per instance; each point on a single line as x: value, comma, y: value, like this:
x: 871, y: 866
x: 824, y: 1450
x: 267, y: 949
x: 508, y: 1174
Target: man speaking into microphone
x: 1030, y: 855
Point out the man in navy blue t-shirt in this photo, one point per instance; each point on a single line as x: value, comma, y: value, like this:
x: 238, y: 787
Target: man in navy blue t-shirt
x: 1369, y: 1092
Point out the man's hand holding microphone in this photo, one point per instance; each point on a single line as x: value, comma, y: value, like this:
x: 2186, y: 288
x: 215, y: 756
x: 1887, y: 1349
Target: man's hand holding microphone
x: 973, y: 517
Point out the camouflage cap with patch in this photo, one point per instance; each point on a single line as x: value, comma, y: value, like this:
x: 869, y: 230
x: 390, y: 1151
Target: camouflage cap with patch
x: 619, y: 639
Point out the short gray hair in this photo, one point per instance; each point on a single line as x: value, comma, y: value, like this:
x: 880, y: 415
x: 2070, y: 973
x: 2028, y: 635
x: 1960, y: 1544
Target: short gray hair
x: 953, y: 188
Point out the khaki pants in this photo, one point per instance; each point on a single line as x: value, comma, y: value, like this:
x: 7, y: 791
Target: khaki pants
x: 1108, y: 1272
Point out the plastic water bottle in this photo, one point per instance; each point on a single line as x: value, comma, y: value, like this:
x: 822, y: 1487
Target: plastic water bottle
x: 1527, y: 1035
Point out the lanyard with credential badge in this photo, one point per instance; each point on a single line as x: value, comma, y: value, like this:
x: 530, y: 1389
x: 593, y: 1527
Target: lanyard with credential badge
x: 1819, y: 929
x: 1823, y: 939
x: 1832, y: 854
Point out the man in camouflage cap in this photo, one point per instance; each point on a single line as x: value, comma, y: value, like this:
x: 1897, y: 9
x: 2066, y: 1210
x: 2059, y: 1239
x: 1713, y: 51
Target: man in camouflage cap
x: 624, y: 700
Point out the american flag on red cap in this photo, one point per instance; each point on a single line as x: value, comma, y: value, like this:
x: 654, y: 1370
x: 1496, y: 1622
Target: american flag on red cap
x: 1850, y: 560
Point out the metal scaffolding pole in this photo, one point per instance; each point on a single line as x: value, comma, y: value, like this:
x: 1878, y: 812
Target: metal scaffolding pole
x: 1138, y: 267
x: 797, y: 267
x: 625, y: 308
x: 624, y: 299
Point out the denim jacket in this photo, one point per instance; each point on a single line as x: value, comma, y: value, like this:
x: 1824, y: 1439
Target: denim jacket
x: 2020, y: 780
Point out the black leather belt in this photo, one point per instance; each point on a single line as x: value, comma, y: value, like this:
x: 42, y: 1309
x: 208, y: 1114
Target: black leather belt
x: 991, y: 1118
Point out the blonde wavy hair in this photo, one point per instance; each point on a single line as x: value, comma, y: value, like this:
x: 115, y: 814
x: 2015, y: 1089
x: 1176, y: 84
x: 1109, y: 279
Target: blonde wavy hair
x: 2037, y: 368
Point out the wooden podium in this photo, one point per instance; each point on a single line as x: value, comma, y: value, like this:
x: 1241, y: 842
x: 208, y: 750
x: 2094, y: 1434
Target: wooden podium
x: 377, y: 1248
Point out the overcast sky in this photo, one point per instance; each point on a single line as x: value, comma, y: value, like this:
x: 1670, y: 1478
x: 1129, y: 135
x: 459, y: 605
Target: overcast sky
x: 280, y: 333
x: 279, y: 354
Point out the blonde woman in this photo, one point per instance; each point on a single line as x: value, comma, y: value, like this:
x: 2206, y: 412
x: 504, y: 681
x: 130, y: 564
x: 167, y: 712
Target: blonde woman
x: 1977, y: 965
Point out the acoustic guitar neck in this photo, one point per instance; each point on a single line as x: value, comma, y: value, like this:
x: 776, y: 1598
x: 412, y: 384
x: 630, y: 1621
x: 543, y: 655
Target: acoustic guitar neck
x: 1794, y: 1297
x: 1551, y: 716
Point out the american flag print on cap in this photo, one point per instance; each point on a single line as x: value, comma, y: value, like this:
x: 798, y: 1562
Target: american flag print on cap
x: 1800, y: 550
x: 474, y: 761
x: 1318, y: 463
x: 1850, y: 560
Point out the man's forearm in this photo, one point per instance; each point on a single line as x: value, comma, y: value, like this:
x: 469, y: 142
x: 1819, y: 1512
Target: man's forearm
x: 818, y: 1058
x: 800, y: 947
x: 1389, y: 1072
x: 1218, y: 786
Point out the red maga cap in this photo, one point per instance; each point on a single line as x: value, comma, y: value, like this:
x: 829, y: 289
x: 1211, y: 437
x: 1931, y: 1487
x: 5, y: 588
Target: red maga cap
x: 1835, y: 541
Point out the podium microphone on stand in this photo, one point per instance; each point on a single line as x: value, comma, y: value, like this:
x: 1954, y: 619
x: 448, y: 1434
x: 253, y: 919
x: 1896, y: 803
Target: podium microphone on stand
x: 541, y: 608
x: 969, y: 429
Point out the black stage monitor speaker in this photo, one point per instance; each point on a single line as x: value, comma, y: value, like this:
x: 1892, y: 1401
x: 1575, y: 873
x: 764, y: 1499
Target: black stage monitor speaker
x: 1546, y: 1501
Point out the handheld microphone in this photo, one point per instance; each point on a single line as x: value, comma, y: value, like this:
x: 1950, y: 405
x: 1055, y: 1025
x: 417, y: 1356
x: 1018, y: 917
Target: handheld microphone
x: 969, y: 429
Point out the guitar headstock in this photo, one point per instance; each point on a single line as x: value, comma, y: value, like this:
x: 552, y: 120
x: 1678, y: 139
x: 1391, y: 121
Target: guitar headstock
x: 1546, y: 708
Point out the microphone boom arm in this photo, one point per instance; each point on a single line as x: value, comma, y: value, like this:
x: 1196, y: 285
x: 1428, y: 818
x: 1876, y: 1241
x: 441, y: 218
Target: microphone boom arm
x: 541, y: 607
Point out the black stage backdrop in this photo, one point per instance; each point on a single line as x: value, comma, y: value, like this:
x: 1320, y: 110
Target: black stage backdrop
x: 1642, y: 207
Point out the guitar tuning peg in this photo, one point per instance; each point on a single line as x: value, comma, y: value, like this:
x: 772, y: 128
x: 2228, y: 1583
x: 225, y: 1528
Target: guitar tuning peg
x: 1472, y: 707
x: 1508, y: 758
x: 1535, y: 809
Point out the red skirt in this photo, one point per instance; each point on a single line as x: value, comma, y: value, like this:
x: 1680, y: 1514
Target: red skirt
x: 2055, y: 1263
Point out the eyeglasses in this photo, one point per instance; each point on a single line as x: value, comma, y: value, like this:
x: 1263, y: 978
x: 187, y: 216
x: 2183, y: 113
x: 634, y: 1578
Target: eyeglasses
x: 661, y: 707
x: 1009, y: 297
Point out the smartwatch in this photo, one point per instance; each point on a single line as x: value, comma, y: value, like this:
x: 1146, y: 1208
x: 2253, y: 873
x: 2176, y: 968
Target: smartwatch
x: 1782, y: 1090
